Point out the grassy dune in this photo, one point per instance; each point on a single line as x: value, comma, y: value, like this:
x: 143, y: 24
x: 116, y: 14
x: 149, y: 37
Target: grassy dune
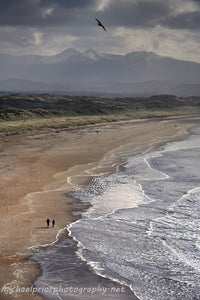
x: 21, y: 112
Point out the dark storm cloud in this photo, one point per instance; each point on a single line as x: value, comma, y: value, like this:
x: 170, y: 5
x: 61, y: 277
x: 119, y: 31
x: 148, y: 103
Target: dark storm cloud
x: 136, y: 13
x: 17, y: 12
x: 70, y: 3
x: 80, y: 13
x: 149, y: 13
x: 184, y: 21
x: 43, y: 12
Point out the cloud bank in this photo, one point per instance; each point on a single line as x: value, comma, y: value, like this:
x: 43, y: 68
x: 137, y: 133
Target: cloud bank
x: 167, y: 27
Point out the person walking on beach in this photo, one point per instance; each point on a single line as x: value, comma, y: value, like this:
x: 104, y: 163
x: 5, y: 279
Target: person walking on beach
x: 53, y: 223
x: 48, y: 221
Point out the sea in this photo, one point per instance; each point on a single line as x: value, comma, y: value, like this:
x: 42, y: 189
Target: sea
x: 142, y: 228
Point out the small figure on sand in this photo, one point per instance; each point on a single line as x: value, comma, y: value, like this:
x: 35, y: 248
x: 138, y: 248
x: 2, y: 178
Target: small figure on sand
x: 48, y: 222
x: 53, y: 223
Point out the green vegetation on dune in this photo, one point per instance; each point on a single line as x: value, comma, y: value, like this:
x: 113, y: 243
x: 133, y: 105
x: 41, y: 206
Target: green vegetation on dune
x: 21, y: 112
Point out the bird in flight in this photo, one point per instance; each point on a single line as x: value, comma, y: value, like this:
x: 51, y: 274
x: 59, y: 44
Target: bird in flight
x: 100, y: 24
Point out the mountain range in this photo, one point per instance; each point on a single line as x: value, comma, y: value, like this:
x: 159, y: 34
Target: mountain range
x: 135, y: 73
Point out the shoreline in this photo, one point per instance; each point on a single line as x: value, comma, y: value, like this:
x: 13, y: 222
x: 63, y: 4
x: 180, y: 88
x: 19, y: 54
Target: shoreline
x: 122, y: 140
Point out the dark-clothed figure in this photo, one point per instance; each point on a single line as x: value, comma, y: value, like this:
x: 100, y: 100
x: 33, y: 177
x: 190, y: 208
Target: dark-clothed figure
x: 48, y: 221
x: 53, y: 223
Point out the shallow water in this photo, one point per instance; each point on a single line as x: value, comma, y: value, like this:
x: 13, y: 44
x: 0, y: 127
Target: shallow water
x: 143, y: 228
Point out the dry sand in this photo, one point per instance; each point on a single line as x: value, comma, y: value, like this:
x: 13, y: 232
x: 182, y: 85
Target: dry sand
x: 38, y: 170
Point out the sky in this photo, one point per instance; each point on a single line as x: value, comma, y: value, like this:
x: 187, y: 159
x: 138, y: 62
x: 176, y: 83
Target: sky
x: 47, y: 27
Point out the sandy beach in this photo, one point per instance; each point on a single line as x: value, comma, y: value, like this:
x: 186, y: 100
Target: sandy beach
x: 39, y: 169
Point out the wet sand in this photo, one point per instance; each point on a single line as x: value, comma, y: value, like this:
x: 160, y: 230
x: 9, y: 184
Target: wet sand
x: 38, y: 170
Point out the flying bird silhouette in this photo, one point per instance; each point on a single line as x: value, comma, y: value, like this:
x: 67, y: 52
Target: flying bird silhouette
x: 100, y: 24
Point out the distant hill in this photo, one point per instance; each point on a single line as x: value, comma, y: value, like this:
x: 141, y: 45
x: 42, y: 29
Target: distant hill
x: 33, y: 105
x: 136, y: 73
x: 59, y: 112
